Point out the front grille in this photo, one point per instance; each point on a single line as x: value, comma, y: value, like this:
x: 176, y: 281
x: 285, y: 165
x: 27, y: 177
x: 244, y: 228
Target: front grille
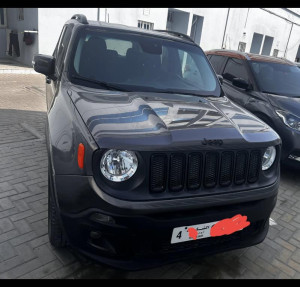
x: 203, y: 170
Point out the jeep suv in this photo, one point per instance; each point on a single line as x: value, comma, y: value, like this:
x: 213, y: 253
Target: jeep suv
x: 149, y: 161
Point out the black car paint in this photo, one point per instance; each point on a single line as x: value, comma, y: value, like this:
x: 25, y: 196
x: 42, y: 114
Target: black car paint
x: 78, y: 114
x: 264, y: 106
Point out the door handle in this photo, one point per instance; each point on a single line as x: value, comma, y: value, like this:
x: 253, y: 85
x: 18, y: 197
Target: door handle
x: 48, y: 80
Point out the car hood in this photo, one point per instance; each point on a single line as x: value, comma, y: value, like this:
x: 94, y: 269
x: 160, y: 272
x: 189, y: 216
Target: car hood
x: 149, y: 121
x: 288, y: 104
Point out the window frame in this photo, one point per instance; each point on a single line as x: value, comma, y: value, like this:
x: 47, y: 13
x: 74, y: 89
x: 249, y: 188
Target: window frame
x: 59, y: 63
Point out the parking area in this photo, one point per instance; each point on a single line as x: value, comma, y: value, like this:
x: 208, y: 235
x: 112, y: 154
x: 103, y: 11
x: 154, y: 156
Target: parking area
x: 25, y: 251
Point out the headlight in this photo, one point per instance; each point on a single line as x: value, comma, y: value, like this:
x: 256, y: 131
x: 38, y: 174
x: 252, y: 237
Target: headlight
x: 268, y: 157
x: 118, y: 165
x: 289, y: 119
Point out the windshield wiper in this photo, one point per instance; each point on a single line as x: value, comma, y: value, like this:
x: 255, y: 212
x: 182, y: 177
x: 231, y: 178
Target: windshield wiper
x: 100, y: 83
x: 182, y: 93
x: 267, y: 92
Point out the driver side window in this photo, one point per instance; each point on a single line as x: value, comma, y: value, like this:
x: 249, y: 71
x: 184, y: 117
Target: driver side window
x: 235, y: 69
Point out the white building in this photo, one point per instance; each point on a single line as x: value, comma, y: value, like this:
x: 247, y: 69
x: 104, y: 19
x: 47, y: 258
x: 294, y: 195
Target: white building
x: 268, y: 31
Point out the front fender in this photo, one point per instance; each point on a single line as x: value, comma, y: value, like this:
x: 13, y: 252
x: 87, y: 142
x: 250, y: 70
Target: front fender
x: 65, y: 131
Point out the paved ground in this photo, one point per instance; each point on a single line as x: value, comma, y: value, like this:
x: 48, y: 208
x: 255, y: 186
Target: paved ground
x: 24, y: 248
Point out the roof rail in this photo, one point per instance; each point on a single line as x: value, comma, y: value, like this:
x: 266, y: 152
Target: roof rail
x: 178, y: 34
x: 80, y: 18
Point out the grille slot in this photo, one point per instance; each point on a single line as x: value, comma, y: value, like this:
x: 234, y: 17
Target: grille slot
x: 158, y: 172
x: 177, y: 170
x: 194, y: 174
x: 226, y: 168
x: 241, y: 162
x: 254, y: 166
x: 211, y: 169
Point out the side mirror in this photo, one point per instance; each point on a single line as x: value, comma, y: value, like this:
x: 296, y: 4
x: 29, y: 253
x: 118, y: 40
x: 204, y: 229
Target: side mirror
x: 45, y: 65
x: 220, y: 79
x: 241, y: 83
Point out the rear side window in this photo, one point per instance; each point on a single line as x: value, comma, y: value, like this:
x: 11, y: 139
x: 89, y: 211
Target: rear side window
x: 235, y: 69
x: 217, y: 62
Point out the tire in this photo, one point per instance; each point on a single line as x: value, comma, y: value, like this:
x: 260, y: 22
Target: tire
x: 55, y: 231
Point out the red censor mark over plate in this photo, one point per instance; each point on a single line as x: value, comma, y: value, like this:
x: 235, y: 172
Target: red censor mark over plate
x: 229, y: 225
x: 193, y: 233
x: 223, y: 227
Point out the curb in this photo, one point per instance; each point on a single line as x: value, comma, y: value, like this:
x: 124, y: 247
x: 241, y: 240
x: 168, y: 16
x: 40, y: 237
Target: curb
x: 17, y: 71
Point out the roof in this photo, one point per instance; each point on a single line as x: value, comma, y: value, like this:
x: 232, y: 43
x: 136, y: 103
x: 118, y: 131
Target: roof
x: 249, y: 56
x: 166, y: 34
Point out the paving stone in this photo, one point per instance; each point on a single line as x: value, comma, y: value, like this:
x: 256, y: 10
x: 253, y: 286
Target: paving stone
x: 24, y: 268
x: 44, y: 253
x: 23, y: 238
x: 25, y: 252
x: 286, y: 269
x: 6, y: 251
x: 22, y: 226
x: 6, y: 225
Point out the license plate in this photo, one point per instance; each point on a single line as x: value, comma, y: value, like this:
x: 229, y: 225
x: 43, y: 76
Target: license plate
x: 199, y: 231
x: 223, y: 227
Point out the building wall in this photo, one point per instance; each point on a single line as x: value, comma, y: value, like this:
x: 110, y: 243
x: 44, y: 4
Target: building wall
x: 130, y: 16
x: 294, y: 43
x: 241, y: 25
x: 214, y: 20
x: 29, y: 23
x: 51, y: 21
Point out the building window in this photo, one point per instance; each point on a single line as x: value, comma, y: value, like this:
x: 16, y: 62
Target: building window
x: 2, y: 17
x: 267, y: 46
x: 256, y: 43
x: 20, y: 14
x: 275, y: 52
x: 145, y: 25
x: 242, y: 46
x: 146, y: 11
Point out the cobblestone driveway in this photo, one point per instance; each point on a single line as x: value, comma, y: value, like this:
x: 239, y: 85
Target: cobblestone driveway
x: 24, y: 248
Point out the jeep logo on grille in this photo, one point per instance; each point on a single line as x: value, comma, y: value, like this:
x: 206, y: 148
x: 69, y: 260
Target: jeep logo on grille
x: 212, y: 142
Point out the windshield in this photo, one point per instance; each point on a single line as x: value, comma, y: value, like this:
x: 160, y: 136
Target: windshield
x: 137, y: 62
x: 274, y: 78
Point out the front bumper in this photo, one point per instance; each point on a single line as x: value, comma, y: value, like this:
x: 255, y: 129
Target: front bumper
x: 140, y: 238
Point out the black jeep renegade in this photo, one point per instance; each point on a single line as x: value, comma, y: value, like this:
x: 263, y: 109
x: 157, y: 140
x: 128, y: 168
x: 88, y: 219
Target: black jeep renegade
x: 149, y: 161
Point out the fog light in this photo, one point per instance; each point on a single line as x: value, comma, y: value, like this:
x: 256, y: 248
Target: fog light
x: 102, y: 218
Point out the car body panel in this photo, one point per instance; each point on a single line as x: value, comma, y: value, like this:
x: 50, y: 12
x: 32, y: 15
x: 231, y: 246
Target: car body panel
x: 150, y: 121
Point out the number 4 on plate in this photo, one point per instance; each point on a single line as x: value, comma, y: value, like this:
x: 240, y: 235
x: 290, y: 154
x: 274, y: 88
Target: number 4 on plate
x: 179, y: 235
